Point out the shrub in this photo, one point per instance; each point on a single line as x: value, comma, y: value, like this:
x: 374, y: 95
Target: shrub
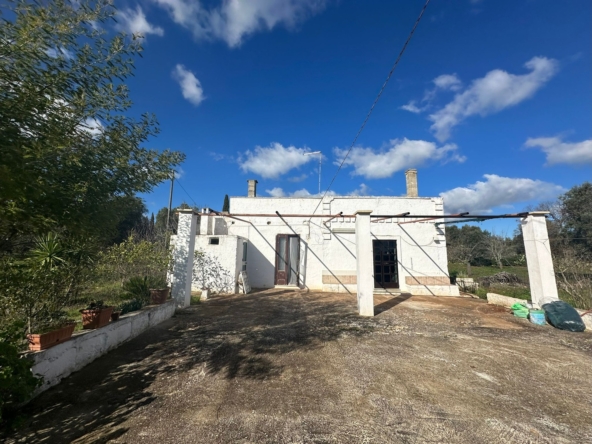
x: 17, y: 382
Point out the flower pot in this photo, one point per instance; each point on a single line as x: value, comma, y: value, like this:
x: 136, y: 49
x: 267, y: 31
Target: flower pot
x: 46, y: 340
x: 159, y: 295
x: 115, y: 316
x: 96, y: 317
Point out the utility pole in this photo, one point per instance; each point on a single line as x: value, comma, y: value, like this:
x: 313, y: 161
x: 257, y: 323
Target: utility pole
x: 320, y: 162
x: 166, y: 236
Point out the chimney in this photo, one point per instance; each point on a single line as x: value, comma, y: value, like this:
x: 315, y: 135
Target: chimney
x: 411, y: 176
x: 252, y: 191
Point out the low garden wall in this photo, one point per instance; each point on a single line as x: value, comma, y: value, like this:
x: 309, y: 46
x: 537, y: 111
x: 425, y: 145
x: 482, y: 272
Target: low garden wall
x: 58, y: 362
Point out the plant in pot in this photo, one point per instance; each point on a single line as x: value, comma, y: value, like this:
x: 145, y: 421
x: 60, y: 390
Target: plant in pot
x: 96, y: 315
x: 148, y: 289
x: 51, y: 331
x: 159, y: 290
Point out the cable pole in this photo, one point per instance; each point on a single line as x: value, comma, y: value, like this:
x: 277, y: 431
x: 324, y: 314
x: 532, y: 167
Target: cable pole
x: 166, y: 236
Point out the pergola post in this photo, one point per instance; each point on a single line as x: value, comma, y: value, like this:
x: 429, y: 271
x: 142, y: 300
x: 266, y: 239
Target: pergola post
x: 183, y: 253
x: 365, y: 277
x: 543, y: 287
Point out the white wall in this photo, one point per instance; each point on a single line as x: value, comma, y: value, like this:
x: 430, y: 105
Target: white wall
x: 227, y: 255
x: 60, y: 361
x: 421, y: 246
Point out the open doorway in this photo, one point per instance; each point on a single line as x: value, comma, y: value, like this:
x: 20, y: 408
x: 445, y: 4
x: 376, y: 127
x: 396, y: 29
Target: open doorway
x: 287, y: 259
x: 386, y: 272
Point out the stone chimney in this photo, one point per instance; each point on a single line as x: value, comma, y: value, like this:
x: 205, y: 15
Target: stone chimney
x: 411, y: 176
x: 252, y: 190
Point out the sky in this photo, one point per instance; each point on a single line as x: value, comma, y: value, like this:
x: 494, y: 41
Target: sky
x: 491, y: 102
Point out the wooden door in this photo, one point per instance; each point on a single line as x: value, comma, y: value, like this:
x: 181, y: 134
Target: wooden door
x: 386, y: 272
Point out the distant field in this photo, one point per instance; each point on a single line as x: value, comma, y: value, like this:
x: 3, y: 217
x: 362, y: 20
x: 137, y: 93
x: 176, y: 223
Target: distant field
x: 478, y: 272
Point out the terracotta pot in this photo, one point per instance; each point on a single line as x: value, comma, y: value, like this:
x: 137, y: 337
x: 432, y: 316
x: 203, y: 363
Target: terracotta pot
x: 96, y: 317
x: 46, y: 340
x: 159, y: 295
x: 115, y: 315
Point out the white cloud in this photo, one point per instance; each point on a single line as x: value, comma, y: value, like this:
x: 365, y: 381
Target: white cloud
x: 190, y: 86
x: 444, y: 82
x: 558, y: 151
x: 61, y: 52
x: 363, y: 190
x: 276, y: 192
x: 300, y: 178
x: 92, y: 126
x: 399, y: 155
x: 279, y: 192
x: 134, y: 22
x: 497, y: 191
x: 234, y: 20
x: 412, y: 107
x: 274, y: 160
x: 492, y: 93
x: 448, y: 81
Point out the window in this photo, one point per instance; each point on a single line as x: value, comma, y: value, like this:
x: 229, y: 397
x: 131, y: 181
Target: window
x: 244, y: 252
x: 214, y: 241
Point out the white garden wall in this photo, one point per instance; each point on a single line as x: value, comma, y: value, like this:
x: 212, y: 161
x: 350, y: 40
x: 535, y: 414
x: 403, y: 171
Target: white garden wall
x: 56, y: 363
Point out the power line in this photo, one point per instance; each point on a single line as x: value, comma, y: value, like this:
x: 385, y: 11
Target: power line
x: 183, y: 188
x: 375, y: 102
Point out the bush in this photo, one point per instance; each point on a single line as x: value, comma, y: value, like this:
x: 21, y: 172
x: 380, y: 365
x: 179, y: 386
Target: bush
x: 17, y: 382
x: 139, y: 287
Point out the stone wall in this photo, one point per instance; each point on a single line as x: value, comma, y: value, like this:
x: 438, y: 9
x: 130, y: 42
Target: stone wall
x: 56, y: 363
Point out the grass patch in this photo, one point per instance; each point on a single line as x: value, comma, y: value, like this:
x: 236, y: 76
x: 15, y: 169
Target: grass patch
x: 505, y: 290
x: 479, y: 272
x: 195, y: 297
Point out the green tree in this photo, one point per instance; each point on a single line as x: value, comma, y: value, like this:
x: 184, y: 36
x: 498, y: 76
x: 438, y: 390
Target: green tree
x: 69, y: 149
x: 226, y: 206
x: 576, y: 215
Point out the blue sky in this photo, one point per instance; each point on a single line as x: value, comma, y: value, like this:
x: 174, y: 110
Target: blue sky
x: 491, y: 101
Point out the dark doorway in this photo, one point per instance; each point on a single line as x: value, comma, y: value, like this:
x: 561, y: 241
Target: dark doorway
x: 386, y: 273
x: 287, y: 259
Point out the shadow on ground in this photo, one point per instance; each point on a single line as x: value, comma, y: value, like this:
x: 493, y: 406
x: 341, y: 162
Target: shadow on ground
x: 234, y: 339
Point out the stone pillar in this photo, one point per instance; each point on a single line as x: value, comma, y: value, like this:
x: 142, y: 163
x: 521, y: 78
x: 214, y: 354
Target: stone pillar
x: 543, y: 287
x: 183, y: 254
x: 364, y: 260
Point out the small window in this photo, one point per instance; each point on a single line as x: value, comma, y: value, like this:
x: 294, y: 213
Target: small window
x: 244, y: 252
x: 214, y: 241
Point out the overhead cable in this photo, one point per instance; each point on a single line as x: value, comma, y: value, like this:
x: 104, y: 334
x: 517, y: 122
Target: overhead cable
x: 375, y: 102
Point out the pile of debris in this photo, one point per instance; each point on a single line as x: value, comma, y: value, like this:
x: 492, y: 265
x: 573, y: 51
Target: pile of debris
x: 503, y: 278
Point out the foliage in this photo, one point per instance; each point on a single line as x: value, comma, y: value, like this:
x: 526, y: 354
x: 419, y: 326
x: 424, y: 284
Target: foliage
x: 208, y: 273
x: 139, y: 287
x: 129, y: 306
x: 35, y: 290
x: 226, y: 206
x: 17, y: 382
x: 576, y: 214
x: 133, y: 257
x: 70, y: 150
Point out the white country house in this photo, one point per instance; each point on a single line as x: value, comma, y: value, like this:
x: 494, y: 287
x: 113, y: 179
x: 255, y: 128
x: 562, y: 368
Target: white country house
x: 355, y: 244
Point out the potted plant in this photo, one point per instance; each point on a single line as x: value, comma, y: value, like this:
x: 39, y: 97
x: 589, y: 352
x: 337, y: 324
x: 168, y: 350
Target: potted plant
x: 53, y: 333
x: 159, y: 291
x: 96, y: 315
x: 115, y: 315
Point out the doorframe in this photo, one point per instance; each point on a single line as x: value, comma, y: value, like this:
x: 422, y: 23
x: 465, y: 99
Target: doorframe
x: 401, y: 271
x: 288, y: 262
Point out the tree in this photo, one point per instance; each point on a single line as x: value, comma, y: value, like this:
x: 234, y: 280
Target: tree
x: 226, y: 206
x: 499, y: 249
x: 576, y: 212
x: 466, y: 245
x: 69, y: 149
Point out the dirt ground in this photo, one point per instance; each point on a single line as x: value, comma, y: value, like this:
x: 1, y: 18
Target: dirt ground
x: 293, y: 367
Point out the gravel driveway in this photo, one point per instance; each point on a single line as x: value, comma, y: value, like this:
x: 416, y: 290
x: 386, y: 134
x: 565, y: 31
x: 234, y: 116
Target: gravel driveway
x: 278, y: 366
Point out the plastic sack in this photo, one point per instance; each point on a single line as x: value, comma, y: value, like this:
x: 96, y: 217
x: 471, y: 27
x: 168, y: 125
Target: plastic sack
x: 519, y: 310
x: 563, y: 316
